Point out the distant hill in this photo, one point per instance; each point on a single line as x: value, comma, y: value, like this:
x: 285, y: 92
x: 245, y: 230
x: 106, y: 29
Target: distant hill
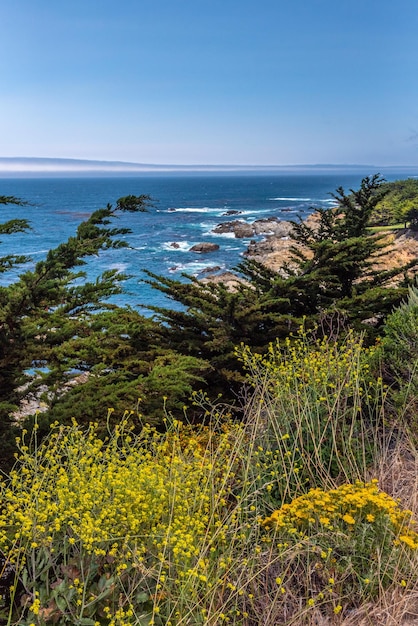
x: 36, y: 166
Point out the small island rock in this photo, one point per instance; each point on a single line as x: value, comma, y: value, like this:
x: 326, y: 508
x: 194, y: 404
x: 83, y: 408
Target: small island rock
x: 205, y: 246
x: 232, y: 212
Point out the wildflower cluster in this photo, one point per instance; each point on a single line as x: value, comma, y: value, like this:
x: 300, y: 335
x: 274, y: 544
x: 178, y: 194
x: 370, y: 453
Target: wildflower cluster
x: 361, y: 503
x: 354, y: 534
x: 321, y: 395
x: 98, y: 521
x: 94, y: 493
x: 317, y: 364
x: 177, y: 528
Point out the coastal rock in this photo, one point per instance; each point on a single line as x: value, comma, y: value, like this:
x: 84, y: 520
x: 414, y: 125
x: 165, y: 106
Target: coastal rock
x: 211, y: 270
x: 272, y: 226
x: 229, y: 279
x: 274, y: 250
x: 33, y: 402
x: 265, y: 226
x: 402, y: 249
x: 205, y: 246
x: 240, y: 229
x: 232, y: 212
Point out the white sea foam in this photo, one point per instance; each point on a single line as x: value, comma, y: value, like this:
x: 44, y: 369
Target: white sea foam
x: 176, y: 246
x: 205, y: 209
x: 288, y: 199
x: 120, y: 267
x: 206, y: 227
x: 194, y: 267
x: 253, y: 213
x: 294, y: 199
x: 37, y: 252
x: 224, y: 235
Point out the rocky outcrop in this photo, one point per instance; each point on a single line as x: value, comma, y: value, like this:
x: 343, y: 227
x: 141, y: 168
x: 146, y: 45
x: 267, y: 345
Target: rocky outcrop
x: 266, y: 226
x: 205, y: 246
x: 211, y: 270
x: 229, y: 279
x: 240, y: 229
x: 272, y: 226
x: 274, y: 251
x: 34, y: 402
x: 402, y: 249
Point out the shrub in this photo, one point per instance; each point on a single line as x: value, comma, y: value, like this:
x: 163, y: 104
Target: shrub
x: 102, y: 533
x: 340, y: 547
x: 399, y: 353
x: 320, y: 408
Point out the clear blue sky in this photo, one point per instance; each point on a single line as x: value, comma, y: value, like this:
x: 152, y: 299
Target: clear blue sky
x: 210, y: 81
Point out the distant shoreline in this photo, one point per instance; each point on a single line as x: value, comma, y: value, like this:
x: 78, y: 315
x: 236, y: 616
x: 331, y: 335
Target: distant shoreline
x: 22, y: 167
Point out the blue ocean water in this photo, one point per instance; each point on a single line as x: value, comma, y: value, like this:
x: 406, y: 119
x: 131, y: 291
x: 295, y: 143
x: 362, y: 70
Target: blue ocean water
x: 186, y: 209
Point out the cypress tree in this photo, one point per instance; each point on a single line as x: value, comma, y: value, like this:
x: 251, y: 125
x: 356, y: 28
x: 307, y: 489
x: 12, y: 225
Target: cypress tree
x: 331, y: 277
x: 62, y: 343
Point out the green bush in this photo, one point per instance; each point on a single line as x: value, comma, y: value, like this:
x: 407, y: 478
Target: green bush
x: 399, y: 354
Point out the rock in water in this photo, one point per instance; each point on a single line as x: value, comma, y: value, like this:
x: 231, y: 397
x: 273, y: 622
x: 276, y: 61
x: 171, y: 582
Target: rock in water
x: 264, y: 226
x: 240, y: 229
x: 205, y: 246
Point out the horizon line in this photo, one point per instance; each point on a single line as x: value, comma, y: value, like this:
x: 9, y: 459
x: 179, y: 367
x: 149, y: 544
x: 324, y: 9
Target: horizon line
x: 44, y: 165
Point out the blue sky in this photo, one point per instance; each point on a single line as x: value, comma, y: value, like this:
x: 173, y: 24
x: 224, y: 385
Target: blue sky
x: 210, y: 81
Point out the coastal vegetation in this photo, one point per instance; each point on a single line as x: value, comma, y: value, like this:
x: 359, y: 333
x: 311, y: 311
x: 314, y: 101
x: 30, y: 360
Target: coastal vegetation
x: 247, y: 459
x: 332, y: 279
x: 399, y: 204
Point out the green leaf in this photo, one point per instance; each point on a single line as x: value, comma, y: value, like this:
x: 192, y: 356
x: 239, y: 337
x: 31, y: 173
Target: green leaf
x: 61, y: 603
x: 142, y: 597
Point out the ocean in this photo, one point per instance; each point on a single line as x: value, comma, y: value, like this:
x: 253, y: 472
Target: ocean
x: 186, y: 210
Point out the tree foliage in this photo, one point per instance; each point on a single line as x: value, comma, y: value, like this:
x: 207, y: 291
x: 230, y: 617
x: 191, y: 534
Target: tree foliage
x: 55, y: 326
x: 400, y: 199
x: 331, y: 276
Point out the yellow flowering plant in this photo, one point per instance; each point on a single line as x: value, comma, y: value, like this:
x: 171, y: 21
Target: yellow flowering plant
x: 99, y: 532
x: 321, y: 408
x: 350, y: 541
x: 238, y: 523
